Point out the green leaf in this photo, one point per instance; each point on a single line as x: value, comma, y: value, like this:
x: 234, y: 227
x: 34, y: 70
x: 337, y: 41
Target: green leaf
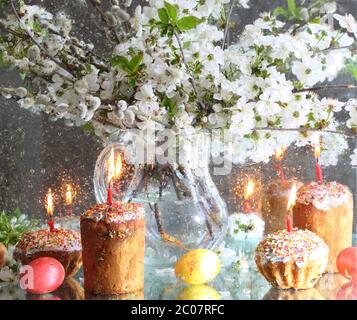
x: 171, y: 11
x: 88, y: 129
x: 170, y: 106
x: 12, y: 227
x: 36, y: 27
x: 186, y: 44
x: 121, y: 62
x: 136, y: 62
x: 280, y: 11
x: 3, y: 3
x: 164, y: 16
x: 3, y: 63
x: 131, y: 66
x: 293, y: 10
x: 188, y: 23
x: 315, y: 20
x: 291, y: 5
x: 352, y: 69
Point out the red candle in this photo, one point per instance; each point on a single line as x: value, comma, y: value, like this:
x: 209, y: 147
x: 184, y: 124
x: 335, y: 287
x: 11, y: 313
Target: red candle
x: 289, y: 223
x: 109, y: 196
x: 247, y: 206
x: 51, y: 224
x: 319, y: 174
x: 111, y: 175
x: 279, y: 153
x: 281, y: 174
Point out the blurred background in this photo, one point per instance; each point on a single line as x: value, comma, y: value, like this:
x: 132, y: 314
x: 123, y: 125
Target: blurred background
x: 36, y: 154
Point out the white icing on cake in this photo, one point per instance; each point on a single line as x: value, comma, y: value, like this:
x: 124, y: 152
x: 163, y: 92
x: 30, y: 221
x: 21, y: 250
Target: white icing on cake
x: 299, y: 246
x: 46, y: 240
x: 323, y: 195
x: 118, y: 212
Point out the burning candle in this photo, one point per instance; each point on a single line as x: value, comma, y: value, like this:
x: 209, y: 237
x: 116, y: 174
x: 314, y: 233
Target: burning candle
x: 111, y: 174
x: 317, y: 149
x: 279, y: 154
x: 118, y: 167
x: 49, y: 207
x: 247, y: 206
x: 69, y: 199
x: 290, y: 205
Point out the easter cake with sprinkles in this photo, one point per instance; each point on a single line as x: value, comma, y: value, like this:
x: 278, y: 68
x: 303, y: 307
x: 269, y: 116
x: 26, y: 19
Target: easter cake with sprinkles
x: 293, y: 259
x: 63, y: 245
x: 326, y: 208
x: 113, y: 238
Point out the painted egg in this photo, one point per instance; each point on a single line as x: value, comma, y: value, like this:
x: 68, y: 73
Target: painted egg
x: 347, y: 292
x: 197, y: 266
x: 42, y: 275
x: 198, y: 292
x: 44, y: 298
x: 3, y: 255
x: 347, y: 263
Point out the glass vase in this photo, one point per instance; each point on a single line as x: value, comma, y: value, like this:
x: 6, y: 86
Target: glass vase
x: 184, y: 209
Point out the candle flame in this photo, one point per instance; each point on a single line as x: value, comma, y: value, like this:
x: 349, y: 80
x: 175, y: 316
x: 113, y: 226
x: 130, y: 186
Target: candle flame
x: 249, y: 190
x: 118, y: 166
x: 49, y: 203
x: 317, y: 147
x: 292, y: 197
x: 111, y: 166
x: 279, y: 153
x: 69, y: 195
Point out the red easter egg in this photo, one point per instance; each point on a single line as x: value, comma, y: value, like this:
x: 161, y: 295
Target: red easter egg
x: 45, y: 298
x: 43, y: 275
x: 347, y: 292
x: 347, y: 263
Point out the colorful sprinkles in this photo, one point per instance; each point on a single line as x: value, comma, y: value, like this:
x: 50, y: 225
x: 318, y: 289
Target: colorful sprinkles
x: 117, y: 212
x: 323, y: 195
x: 45, y: 240
x: 297, y: 245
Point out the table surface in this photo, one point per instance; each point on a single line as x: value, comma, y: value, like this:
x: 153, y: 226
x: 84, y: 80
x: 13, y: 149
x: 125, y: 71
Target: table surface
x: 243, y: 283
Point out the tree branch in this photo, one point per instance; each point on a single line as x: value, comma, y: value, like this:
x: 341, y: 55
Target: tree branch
x: 49, y: 56
x: 328, y: 87
x: 226, y: 28
x: 192, y: 81
x: 304, y: 130
x: 96, y: 5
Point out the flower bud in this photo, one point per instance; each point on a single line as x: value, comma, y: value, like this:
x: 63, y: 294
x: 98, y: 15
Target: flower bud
x: 21, y: 92
x: 26, y: 103
x: 83, y: 109
x: 68, y: 123
x: 110, y: 19
x: 121, y: 14
x: 89, y: 116
x: 122, y: 105
x: 120, y: 114
x: 129, y: 117
x: 33, y: 53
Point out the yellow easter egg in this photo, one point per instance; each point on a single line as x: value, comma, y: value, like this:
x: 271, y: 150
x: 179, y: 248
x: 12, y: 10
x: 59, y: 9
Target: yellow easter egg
x: 198, y: 292
x: 197, y: 266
